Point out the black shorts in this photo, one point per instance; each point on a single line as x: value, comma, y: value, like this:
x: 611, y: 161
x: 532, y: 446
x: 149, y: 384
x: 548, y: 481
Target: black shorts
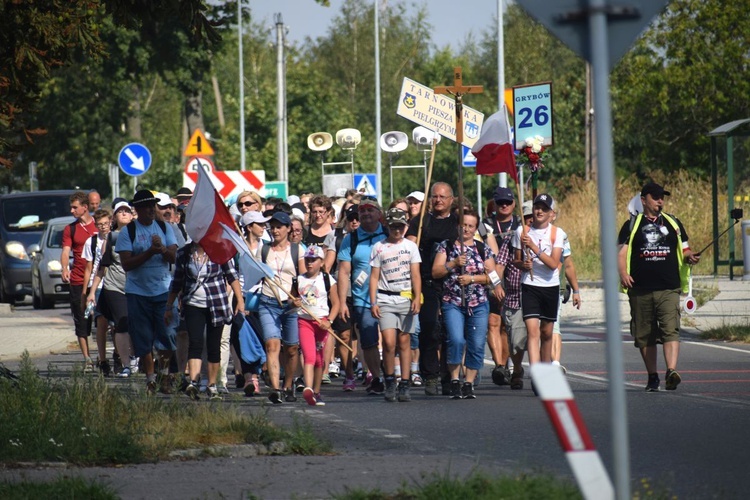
x: 496, y: 306
x: 114, y: 306
x: 339, y: 325
x: 540, y: 302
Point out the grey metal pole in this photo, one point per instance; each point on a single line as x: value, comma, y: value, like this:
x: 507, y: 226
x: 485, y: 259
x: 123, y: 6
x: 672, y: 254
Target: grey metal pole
x: 280, y: 97
x: 608, y: 235
x: 502, y: 177
x: 242, y: 86
x: 378, y: 159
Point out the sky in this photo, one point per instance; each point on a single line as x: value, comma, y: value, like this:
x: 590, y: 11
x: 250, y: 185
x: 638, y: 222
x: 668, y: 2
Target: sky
x: 451, y: 20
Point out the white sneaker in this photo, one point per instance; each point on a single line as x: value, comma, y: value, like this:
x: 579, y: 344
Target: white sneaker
x: 134, y: 364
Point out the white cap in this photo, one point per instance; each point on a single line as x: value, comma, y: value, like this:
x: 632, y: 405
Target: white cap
x: 296, y: 212
x: 163, y: 200
x: 292, y: 199
x: 417, y: 195
x: 253, y: 217
x: 122, y: 204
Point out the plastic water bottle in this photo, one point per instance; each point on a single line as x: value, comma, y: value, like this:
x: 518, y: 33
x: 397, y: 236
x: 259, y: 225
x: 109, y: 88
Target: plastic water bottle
x: 89, y: 310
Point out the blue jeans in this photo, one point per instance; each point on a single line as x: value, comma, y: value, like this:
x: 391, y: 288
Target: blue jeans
x: 278, y: 322
x: 466, y: 328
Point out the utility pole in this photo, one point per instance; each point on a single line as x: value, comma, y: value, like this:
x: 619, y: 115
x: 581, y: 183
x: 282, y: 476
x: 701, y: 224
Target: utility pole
x: 281, y: 150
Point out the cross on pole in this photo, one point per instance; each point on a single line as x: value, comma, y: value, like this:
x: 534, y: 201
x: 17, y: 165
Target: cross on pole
x: 457, y: 90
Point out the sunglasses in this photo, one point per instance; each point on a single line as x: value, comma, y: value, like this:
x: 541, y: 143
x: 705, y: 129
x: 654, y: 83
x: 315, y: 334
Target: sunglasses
x: 352, y: 217
x: 503, y: 203
x: 247, y: 203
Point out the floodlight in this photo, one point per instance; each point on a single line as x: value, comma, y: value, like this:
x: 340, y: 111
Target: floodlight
x: 422, y: 136
x: 394, y: 141
x: 348, y: 138
x: 319, y: 141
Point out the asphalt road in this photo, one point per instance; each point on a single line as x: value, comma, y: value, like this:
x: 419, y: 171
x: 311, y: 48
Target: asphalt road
x: 693, y: 441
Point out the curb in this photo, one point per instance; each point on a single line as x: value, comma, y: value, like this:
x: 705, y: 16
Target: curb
x: 5, y: 310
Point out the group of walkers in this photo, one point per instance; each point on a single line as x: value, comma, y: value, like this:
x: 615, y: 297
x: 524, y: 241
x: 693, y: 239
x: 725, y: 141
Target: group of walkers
x: 406, y: 295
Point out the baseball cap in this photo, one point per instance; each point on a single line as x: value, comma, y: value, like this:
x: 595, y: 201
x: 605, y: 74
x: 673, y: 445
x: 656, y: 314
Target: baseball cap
x: 164, y: 200
x: 544, y: 199
x: 417, y: 195
x: 253, y: 217
x: 121, y: 204
x: 144, y: 197
x: 528, y: 208
x: 369, y: 201
x: 282, y: 217
x: 116, y: 201
x: 292, y: 199
x: 352, y: 212
x: 655, y: 190
x: 314, y: 252
x: 502, y: 194
x: 396, y: 216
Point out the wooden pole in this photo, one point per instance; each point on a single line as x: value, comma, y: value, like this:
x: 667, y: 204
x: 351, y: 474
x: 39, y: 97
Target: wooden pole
x: 427, y: 188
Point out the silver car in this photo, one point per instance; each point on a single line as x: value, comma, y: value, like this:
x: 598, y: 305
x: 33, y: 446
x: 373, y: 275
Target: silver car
x: 46, y: 272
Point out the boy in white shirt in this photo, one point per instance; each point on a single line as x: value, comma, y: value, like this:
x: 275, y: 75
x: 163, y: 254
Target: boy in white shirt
x: 540, y: 284
x: 316, y: 289
x: 395, y: 295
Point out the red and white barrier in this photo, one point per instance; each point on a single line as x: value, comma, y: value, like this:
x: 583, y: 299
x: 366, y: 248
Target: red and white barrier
x: 584, y: 460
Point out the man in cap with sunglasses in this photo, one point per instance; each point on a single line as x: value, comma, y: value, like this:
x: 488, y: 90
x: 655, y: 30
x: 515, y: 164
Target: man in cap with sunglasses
x: 653, y: 272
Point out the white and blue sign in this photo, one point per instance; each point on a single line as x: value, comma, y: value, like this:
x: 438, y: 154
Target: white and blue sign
x: 532, y: 112
x: 134, y: 159
x: 366, y: 184
x: 467, y: 158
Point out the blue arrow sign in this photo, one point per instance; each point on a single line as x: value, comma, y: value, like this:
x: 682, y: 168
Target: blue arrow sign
x: 134, y: 159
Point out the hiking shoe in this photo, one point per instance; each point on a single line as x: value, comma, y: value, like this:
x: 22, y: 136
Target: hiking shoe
x: 134, y: 364
x: 319, y: 400
x: 404, y: 395
x: 349, y: 384
x: 455, y: 389
x: 151, y: 387
x: 105, y: 368
x: 289, y: 396
x: 124, y: 373
x: 653, y: 382
x: 326, y: 379
x: 275, y: 396
x: 309, y: 396
x: 239, y: 381
x: 377, y: 388
x: 516, y: 380
x: 192, y: 391
x: 500, y: 375
x: 467, y: 391
x: 416, y: 379
x: 672, y: 379
x: 390, y: 389
x: 213, y: 393
x: 431, y: 386
x: 165, y: 387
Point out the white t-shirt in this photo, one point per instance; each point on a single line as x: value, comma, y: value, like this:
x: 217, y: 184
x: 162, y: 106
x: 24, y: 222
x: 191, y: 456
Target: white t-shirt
x: 313, y: 294
x: 394, y: 261
x: 543, y: 275
x: 89, y: 256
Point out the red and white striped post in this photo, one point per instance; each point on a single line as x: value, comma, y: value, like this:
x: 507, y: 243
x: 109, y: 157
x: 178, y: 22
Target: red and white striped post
x: 555, y: 393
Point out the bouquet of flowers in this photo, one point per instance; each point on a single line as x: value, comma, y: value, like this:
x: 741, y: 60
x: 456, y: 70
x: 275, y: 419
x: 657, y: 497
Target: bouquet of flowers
x: 534, y: 151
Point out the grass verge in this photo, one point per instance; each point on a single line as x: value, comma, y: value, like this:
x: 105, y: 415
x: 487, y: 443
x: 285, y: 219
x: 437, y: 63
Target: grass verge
x: 730, y: 333
x: 84, y: 421
x: 61, y: 488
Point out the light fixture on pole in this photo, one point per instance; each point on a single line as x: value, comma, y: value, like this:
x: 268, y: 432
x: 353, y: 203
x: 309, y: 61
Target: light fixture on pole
x: 347, y: 139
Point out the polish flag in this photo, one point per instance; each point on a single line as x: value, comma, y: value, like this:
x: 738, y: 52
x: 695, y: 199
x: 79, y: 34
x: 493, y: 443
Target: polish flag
x: 494, y: 148
x: 202, y: 217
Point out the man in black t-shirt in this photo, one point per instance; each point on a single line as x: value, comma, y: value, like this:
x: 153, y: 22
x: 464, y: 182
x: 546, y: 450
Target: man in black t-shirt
x: 653, y: 268
x: 438, y: 225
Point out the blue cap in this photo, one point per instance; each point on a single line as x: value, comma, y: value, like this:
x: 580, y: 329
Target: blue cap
x: 282, y: 217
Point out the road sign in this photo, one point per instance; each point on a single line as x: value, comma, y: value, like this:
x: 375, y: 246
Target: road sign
x: 198, y: 145
x: 422, y: 106
x: 569, y: 22
x: 134, y: 159
x: 195, y: 161
x: 228, y: 183
x: 532, y: 112
x: 277, y: 189
x: 468, y: 159
x: 366, y: 184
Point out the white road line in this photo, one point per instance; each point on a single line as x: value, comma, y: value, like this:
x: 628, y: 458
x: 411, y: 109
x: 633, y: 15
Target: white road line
x: 726, y: 348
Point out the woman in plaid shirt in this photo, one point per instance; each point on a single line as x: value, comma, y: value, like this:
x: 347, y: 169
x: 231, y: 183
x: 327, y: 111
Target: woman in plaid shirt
x: 201, y: 285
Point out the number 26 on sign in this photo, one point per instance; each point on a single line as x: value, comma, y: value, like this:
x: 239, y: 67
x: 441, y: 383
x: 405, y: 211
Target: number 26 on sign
x: 532, y: 112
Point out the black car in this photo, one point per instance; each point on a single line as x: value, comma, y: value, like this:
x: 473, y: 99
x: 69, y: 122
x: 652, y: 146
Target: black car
x: 23, y: 217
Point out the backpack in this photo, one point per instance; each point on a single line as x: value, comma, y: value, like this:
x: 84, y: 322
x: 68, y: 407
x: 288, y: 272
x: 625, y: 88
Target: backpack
x: 295, y: 255
x: 131, y: 229
x: 354, y: 239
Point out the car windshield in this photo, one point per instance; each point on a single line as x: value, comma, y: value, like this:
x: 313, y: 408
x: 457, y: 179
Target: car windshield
x: 32, y: 213
x: 54, y: 240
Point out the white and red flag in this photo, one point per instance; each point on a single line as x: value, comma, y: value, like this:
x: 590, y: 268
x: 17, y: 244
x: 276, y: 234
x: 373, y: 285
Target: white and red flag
x: 494, y: 148
x: 202, y: 217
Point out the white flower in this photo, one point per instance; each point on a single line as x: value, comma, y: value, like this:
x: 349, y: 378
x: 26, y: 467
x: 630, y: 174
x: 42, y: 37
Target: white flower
x: 536, y: 147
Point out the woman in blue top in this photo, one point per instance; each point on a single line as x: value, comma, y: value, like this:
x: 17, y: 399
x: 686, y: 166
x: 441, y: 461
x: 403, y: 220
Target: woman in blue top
x: 465, y: 264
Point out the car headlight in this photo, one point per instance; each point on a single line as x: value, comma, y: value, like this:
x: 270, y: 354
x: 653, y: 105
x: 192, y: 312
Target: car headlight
x: 16, y: 249
x: 54, y: 266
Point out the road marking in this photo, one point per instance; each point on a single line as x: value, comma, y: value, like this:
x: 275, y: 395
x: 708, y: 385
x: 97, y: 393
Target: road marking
x: 726, y: 348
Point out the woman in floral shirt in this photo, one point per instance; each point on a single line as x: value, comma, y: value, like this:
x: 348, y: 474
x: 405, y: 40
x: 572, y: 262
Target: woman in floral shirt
x: 465, y: 265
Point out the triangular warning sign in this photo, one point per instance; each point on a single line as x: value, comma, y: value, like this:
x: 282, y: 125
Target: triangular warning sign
x: 198, y: 145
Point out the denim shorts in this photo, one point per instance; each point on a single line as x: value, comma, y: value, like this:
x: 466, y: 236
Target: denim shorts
x: 146, y: 323
x: 278, y: 322
x: 368, y: 327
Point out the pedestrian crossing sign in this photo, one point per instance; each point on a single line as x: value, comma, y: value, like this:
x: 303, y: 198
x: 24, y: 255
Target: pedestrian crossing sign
x: 366, y: 184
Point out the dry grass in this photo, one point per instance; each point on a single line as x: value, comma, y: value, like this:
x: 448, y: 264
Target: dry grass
x: 690, y: 201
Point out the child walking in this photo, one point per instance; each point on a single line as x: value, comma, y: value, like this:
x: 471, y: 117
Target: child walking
x: 319, y: 296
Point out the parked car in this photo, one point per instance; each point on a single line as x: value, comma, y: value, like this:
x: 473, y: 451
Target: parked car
x: 47, y: 286
x: 23, y: 217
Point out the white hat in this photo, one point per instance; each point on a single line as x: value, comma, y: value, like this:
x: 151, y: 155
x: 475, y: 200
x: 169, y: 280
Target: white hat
x: 251, y: 217
x: 292, y: 199
x: 163, y: 200
x: 417, y: 195
x: 122, y: 204
x: 296, y: 212
x: 314, y: 252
